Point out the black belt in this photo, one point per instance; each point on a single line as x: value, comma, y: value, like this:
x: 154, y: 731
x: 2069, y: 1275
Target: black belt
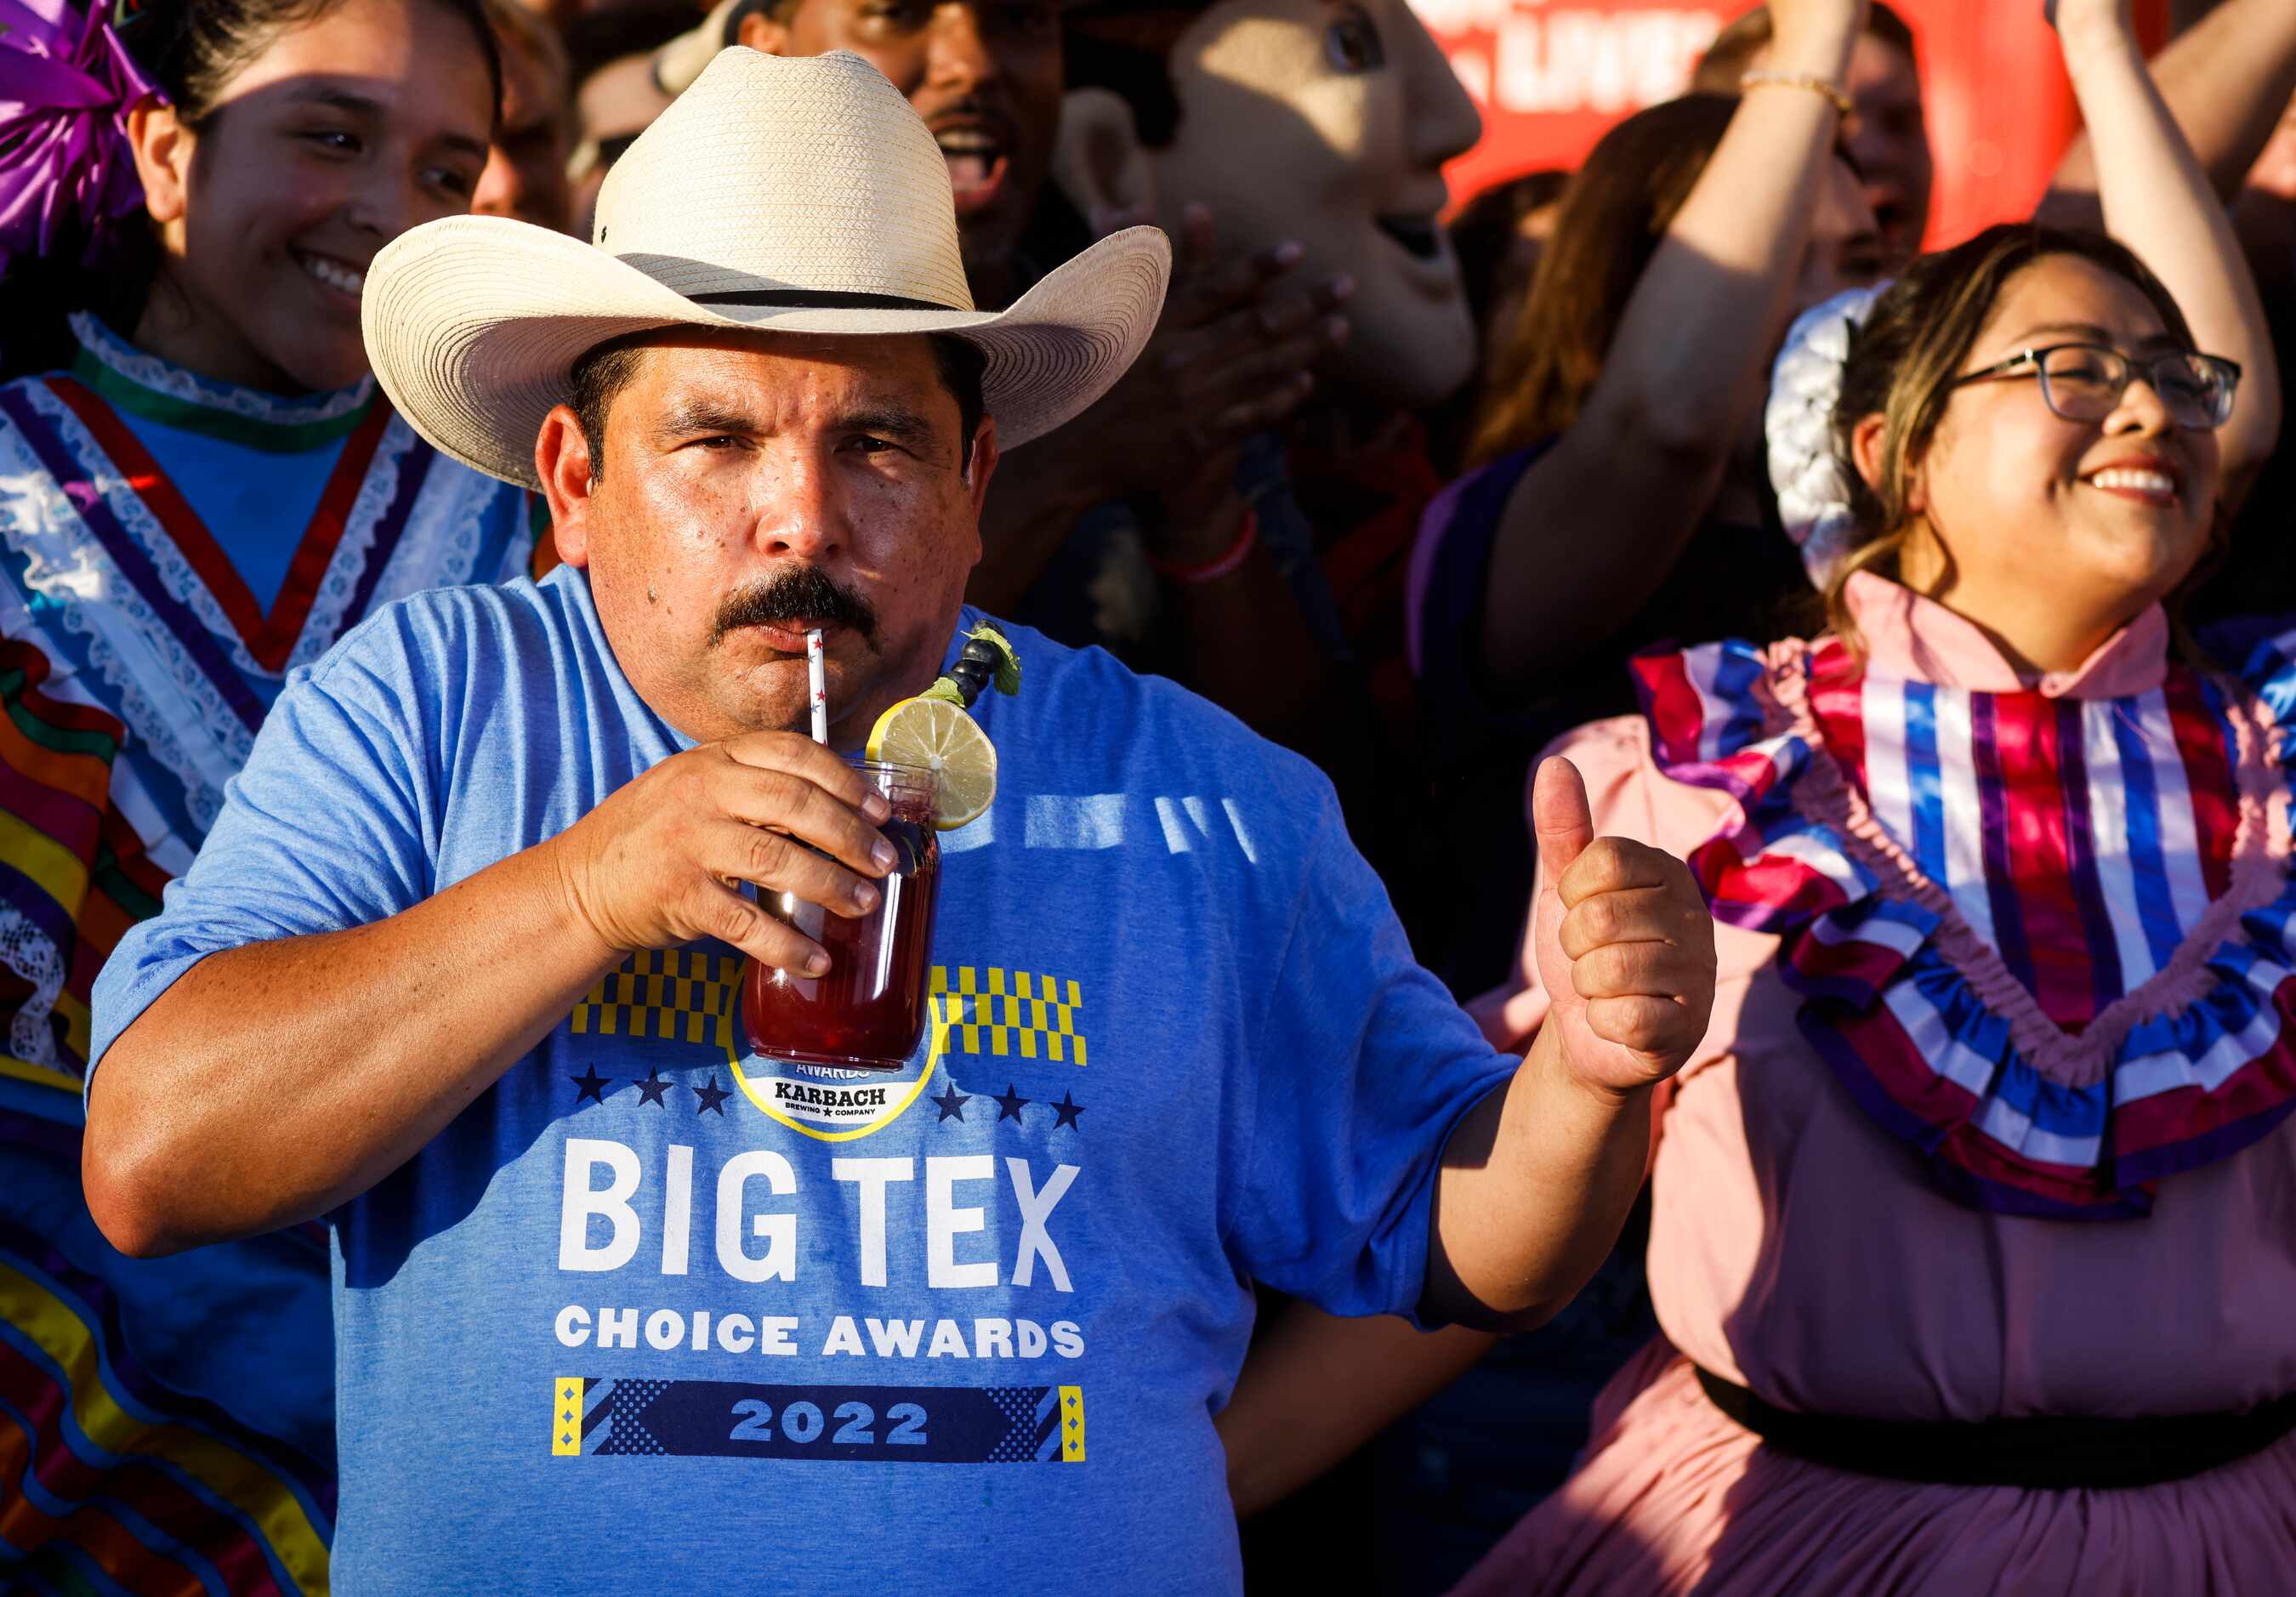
x: 2051, y: 1453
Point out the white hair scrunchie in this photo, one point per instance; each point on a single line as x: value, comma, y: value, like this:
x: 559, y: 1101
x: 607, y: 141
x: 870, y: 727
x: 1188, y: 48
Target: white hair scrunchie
x: 1805, y: 386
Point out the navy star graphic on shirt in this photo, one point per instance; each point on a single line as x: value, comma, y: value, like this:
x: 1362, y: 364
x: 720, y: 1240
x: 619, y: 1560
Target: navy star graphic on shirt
x: 1067, y: 1110
x: 650, y: 1090
x: 713, y: 1097
x: 1009, y: 1103
x: 952, y: 1103
x: 591, y: 1083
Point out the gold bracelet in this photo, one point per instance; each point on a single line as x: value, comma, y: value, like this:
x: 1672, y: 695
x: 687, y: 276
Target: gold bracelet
x: 1797, y: 80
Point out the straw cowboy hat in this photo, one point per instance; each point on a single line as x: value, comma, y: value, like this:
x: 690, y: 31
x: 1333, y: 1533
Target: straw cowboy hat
x: 777, y: 195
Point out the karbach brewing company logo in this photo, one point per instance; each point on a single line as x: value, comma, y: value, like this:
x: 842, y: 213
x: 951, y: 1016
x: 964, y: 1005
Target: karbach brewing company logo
x: 690, y: 997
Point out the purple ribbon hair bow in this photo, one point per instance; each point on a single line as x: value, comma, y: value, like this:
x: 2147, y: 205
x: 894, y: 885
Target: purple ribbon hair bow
x: 66, y: 86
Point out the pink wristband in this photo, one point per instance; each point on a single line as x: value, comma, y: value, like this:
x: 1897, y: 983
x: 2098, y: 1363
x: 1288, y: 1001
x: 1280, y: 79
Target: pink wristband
x: 1220, y: 565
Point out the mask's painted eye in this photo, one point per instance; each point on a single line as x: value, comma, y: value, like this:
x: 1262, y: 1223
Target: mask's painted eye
x: 1352, y: 42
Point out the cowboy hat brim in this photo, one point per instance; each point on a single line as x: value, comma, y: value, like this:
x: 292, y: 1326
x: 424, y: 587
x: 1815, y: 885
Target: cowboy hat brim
x: 473, y: 325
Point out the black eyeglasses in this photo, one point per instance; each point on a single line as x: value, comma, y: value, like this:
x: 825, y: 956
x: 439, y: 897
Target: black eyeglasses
x: 2084, y: 382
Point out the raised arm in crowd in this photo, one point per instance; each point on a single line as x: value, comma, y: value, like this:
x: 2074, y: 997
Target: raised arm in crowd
x: 1600, y: 517
x: 2227, y: 79
x: 2157, y: 198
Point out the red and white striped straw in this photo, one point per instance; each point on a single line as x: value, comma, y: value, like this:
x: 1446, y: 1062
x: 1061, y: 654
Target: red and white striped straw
x: 817, y: 675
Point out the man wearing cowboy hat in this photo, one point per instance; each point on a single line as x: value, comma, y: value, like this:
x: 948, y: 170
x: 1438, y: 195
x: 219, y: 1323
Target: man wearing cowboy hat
x: 447, y: 973
x: 1153, y: 468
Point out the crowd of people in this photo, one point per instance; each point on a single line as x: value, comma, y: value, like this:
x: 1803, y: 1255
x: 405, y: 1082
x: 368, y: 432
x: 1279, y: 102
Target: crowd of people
x: 1709, y: 1004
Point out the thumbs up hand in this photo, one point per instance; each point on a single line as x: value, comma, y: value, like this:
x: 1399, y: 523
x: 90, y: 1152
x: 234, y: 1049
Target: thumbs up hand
x: 1624, y: 943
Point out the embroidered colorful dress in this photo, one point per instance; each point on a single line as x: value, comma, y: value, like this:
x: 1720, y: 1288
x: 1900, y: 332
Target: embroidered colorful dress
x: 167, y: 1425
x: 1993, y: 1121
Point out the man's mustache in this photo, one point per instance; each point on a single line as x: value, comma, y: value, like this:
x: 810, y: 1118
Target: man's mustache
x: 804, y: 594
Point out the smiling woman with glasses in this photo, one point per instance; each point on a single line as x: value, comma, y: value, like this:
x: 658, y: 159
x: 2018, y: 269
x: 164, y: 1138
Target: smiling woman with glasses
x: 1968, y: 1225
x: 2050, y: 524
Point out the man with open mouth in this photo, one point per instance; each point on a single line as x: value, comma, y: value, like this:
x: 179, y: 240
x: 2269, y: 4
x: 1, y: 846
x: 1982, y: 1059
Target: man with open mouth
x: 985, y: 75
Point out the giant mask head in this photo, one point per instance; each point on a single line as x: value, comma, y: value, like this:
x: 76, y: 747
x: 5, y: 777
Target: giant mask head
x: 1323, y: 121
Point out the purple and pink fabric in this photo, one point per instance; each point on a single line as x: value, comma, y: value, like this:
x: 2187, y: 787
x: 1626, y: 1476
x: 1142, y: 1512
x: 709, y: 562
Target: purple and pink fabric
x: 1992, y: 1120
x: 66, y: 86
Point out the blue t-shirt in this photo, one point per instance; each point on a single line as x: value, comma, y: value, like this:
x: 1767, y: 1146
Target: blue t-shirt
x: 650, y: 1317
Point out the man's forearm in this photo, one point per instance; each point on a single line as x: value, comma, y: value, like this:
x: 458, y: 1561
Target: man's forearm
x: 274, y: 1081
x: 1536, y: 1184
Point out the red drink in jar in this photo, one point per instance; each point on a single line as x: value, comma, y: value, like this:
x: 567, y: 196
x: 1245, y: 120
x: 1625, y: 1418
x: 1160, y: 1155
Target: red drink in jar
x: 868, y: 1013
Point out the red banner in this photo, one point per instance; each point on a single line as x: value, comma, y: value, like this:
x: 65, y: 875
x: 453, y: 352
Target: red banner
x: 1552, y: 76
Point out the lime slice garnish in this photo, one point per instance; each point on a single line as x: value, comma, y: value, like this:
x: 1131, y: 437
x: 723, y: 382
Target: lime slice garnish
x: 941, y: 738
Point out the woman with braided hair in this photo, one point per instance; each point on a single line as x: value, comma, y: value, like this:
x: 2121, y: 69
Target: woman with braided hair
x: 201, y: 489
x: 1969, y: 1237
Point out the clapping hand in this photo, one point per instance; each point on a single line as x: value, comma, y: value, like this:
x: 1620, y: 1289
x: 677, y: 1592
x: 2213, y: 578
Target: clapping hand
x: 1231, y: 356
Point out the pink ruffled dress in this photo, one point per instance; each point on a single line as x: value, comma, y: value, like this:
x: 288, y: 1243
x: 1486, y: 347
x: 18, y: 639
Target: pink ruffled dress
x: 1993, y: 1120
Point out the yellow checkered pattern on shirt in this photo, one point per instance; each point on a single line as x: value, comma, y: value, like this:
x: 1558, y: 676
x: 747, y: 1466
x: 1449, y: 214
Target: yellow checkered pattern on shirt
x: 674, y: 994
x: 1004, y: 1013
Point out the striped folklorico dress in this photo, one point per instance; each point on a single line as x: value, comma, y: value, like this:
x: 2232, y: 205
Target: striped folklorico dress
x: 2043, y: 939
x: 167, y: 1426
x: 1992, y: 1123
